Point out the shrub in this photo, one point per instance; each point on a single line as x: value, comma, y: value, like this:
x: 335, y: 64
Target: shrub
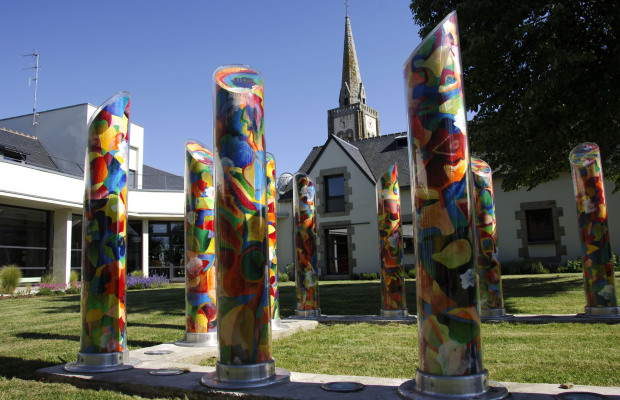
x: 411, y: 273
x: 10, y: 276
x: 74, y: 278
x: 369, y: 276
x: 137, y: 273
x: 283, y: 277
x: 47, y: 289
x: 140, y: 282
x: 47, y: 278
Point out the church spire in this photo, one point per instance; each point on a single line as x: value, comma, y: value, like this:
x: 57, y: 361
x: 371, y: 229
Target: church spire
x: 352, y: 88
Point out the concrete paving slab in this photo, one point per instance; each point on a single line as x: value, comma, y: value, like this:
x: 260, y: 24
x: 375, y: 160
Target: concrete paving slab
x: 302, y: 386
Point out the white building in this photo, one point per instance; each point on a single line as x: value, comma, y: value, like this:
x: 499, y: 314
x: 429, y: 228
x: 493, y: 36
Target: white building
x: 42, y: 191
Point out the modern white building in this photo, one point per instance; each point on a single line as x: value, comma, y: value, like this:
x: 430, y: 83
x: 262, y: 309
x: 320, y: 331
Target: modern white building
x: 42, y: 191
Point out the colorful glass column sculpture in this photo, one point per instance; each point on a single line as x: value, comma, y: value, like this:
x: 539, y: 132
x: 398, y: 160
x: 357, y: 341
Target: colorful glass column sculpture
x: 306, y: 270
x: 489, y: 272
x: 272, y: 233
x: 104, y: 336
x: 447, y: 290
x: 598, y: 269
x: 241, y: 242
x: 200, y: 287
x: 393, y: 300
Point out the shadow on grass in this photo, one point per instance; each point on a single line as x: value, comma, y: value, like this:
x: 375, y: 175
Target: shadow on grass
x: 160, y: 326
x: 76, y: 338
x: 12, y: 367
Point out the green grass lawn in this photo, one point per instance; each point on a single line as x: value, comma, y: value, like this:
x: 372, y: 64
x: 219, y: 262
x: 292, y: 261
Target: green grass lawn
x: 37, y: 332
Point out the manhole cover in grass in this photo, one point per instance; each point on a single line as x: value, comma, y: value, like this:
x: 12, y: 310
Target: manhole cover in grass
x: 158, y: 352
x: 342, y: 386
x: 168, y: 371
x: 581, y: 396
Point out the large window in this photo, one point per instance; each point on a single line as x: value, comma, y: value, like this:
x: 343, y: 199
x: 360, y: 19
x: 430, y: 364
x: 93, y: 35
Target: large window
x: 24, y: 239
x: 539, y: 225
x: 337, y: 251
x: 76, y: 242
x: 334, y: 193
x: 134, y: 246
x: 166, y: 249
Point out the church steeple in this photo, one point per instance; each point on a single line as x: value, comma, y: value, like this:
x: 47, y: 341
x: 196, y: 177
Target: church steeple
x: 352, y: 88
x: 353, y: 119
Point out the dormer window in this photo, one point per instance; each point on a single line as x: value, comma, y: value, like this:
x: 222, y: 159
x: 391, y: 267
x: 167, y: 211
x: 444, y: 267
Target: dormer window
x: 12, y: 153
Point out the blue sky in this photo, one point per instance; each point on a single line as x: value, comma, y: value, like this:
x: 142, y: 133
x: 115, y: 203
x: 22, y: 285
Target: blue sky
x: 165, y: 52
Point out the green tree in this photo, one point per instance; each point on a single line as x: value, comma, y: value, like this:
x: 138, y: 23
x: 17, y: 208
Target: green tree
x: 542, y: 76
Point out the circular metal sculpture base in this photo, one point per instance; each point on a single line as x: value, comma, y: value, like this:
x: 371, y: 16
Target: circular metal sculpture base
x: 198, y: 340
x: 438, y: 387
x: 608, y: 312
x: 245, y: 376
x: 394, y: 313
x: 493, y: 313
x: 343, y: 387
x: 308, y: 313
x: 97, y: 363
x: 277, y: 325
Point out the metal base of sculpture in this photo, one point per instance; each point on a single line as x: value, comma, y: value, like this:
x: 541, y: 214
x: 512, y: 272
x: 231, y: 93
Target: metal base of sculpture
x: 427, y: 386
x: 394, y: 313
x: 198, y: 340
x: 277, y: 325
x: 245, y: 376
x: 605, y: 312
x: 494, y: 314
x: 104, y: 362
x: 308, y: 313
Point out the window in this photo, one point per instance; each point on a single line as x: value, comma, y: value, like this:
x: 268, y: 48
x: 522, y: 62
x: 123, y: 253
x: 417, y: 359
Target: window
x: 166, y: 248
x: 334, y: 193
x: 76, y: 242
x: 24, y: 239
x: 337, y: 251
x: 539, y: 225
x: 12, y: 153
x: 134, y: 246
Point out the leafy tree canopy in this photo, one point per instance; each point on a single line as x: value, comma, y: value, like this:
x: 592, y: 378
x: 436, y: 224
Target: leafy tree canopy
x: 542, y: 76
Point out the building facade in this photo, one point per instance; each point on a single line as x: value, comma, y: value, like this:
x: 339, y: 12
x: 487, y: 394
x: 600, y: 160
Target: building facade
x: 42, y: 192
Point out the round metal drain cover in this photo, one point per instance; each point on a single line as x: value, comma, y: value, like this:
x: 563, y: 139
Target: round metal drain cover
x: 581, y: 396
x: 342, y: 386
x: 158, y: 352
x: 168, y: 371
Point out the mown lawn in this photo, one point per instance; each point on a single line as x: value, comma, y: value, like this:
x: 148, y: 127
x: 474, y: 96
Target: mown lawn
x: 42, y: 331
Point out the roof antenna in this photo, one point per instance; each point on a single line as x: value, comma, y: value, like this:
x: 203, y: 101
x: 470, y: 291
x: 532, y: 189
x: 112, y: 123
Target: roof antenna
x: 346, y: 6
x: 36, y: 80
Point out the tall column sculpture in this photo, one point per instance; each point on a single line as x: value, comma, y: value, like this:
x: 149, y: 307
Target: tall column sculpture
x: 489, y: 271
x: 200, y: 285
x: 598, y: 268
x: 103, y: 343
x: 241, y: 242
x: 447, y: 290
x: 306, y: 270
x: 393, y: 300
x: 274, y: 299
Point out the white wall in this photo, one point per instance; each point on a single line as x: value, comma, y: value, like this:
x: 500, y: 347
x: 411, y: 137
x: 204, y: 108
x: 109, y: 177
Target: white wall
x: 560, y: 190
x: 156, y: 204
x: 362, y: 216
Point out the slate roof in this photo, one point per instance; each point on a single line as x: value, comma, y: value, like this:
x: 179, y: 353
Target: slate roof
x: 157, y: 179
x: 373, y: 156
x: 21, y: 147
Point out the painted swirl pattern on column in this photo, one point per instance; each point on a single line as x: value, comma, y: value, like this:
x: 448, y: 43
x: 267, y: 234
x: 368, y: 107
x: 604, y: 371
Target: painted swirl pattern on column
x: 200, y: 293
x: 105, y: 229
x: 244, y: 333
x: 391, y: 242
x: 449, y: 320
x: 489, y: 271
x: 306, y: 270
x: 598, y: 269
x: 273, y: 244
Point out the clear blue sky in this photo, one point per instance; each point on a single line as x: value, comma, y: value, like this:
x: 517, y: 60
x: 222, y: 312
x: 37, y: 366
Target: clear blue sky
x: 164, y: 53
